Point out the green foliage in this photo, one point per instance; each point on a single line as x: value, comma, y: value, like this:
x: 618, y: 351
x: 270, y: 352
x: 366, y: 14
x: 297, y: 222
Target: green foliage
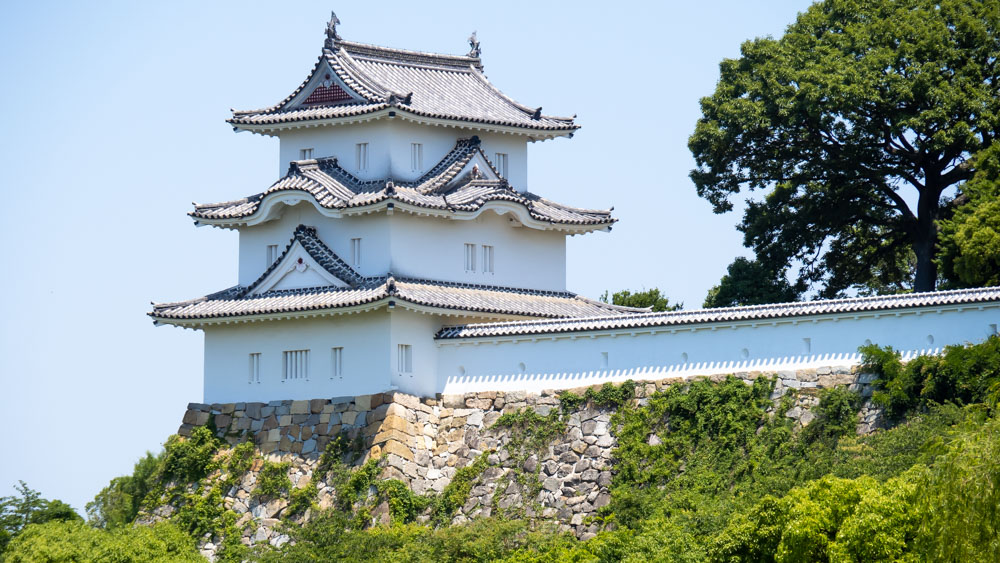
x: 748, y: 282
x: 188, y: 459
x: 201, y: 514
x: 74, y: 541
x: 404, y: 505
x: 961, y: 499
x: 962, y: 374
x: 608, y: 396
x: 272, y: 480
x: 836, y: 416
x: 17, y: 512
x: 650, y: 298
x: 969, y: 241
x: 119, y: 503
x: 456, y: 492
x: 856, y: 105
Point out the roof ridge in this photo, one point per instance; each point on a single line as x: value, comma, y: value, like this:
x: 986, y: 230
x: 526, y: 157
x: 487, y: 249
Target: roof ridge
x: 381, y: 52
x: 722, y: 314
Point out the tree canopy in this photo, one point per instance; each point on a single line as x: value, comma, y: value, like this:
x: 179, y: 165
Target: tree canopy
x: 970, y: 240
x: 747, y: 282
x: 856, y: 123
x: 651, y: 298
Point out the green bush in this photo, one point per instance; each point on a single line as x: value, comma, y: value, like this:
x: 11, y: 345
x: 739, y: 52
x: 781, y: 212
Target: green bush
x: 962, y: 375
x: 75, y: 541
x: 272, y: 480
x: 188, y: 459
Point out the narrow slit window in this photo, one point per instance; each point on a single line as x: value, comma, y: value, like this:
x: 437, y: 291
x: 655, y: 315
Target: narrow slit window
x: 254, y: 368
x: 416, y: 157
x: 604, y: 359
x: 487, y: 259
x: 337, y: 361
x: 305, y: 154
x: 361, y: 154
x: 807, y: 345
x: 356, y: 252
x: 501, y: 164
x: 470, y: 257
x: 405, y: 358
x: 296, y: 364
x: 272, y: 253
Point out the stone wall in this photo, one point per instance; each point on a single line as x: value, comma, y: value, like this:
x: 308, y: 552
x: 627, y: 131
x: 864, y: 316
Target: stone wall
x: 423, y: 442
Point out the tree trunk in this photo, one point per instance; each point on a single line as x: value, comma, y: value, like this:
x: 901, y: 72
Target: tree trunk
x: 925, y: 239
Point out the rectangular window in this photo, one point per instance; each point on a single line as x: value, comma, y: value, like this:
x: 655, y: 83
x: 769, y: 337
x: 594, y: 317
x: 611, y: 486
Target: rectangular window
x: 405, y: 359
x: 337, y: 361
x: 604, y: 359
x: 272, y: 253
x: 501, y: 164
x: 254, y: 368
x: 356, y: 252
x: 296, y: 364
x: 416, y: 157
x: 470, y: 257
x: 305, y: 154
x: 361, y: 154
x: 487, y: 259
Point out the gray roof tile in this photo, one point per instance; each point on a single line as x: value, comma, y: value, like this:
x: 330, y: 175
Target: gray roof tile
x: 440, y: 188
x: 234, y: 303
x: 730, y: 314
x: 424, y: 84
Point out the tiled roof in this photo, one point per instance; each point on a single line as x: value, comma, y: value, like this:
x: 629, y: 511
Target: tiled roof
x: 443, y: 187
x: 328, y: 259
x: 234, y: 303
x: 729, y: 314
x: 423, y: 84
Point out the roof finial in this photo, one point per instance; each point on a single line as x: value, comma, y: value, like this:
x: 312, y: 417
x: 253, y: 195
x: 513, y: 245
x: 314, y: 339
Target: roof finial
x: 474, y: 50
x: 331, y: 30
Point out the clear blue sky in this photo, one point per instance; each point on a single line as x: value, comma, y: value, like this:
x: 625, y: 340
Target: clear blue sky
x: 112, y: 122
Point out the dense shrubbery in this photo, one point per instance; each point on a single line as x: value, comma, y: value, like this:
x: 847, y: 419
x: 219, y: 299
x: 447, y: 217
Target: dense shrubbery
x: 704, y: 472
x: 962, y: 375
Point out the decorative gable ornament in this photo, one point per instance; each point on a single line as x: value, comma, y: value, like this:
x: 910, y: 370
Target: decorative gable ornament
x: 297, y: 270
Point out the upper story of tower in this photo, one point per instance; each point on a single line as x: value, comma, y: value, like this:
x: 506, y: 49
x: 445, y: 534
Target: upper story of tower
x: 392, y: 113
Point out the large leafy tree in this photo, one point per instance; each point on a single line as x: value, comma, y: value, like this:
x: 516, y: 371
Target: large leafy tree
x: 747, y: 282
x: 856, y: 122
x: 969, y: 242
x: 648, y: 298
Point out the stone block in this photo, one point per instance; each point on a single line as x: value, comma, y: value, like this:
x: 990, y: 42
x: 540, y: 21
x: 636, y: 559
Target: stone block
x: 377, y: 413
x: 299, y: 407
x: 270, y: 423
x: 266, y: 411
x: 222, y: 421
x: 191, y: 416
x: 349, y: 417
x: 285, y: 420
x: 285, y: 444
x: 807, y: 375
x: 390, y: 434
x: 308, y: 446
x: 453, y: 401
x: 273, y: 435
x: 477, y: 403
x: 396, y: 448
x: 552, y: 484
x: 363, y: 402
x: 185, y: 430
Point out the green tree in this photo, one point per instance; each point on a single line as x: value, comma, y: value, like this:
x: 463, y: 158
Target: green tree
x: 118, y: 503
x: 75, y: 541
x: 748, y: 282
x: 650, y: 298
x: 857, y: 121
x: 969, y: 242
x: 29, y: 507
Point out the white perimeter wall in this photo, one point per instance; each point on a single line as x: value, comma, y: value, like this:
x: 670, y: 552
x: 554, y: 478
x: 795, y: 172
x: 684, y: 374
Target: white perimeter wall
x: 564, y: 362
x: 389, y: 148
x: 418, y: 247
x: 366, y: 360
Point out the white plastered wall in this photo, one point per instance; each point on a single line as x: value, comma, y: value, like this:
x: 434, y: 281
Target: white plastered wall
x: 373, y: 230
x: 364, y: 337
x: 578, y: 359
x: 418, y: 247
x: 389, y: 143
x: 435, y: 249
x: 416, y: 330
